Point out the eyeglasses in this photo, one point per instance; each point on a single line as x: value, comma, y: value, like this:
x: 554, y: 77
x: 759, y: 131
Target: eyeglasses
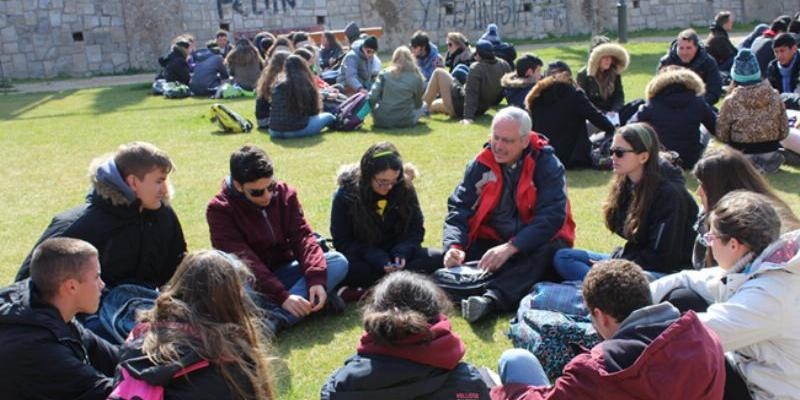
x: 260, y: 192
x: 388, y: 182
x: 619, y: 152
x: 708, y: 238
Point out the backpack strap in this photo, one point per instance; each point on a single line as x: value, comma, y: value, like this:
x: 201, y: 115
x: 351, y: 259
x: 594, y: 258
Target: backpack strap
x: 191, y: 368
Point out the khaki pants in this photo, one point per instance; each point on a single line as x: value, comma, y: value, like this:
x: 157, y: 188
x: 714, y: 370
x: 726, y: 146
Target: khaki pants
x: 439, y: 86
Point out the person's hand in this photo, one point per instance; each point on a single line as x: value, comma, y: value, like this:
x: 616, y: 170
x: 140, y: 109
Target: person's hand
x: 297, y: 305
x: 317, y: 297
x: 362, y: 90
x: 454, y: 257
x: 466, y: 121
x: 398, y: 264
x: 495, y: 257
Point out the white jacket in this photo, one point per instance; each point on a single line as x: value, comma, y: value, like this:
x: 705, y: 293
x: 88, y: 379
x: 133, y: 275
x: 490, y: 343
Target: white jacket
x: 756, y: 315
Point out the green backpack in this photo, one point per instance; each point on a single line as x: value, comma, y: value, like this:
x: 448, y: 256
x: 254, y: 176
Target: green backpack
x: 176, y: 90
x: 229, y: 120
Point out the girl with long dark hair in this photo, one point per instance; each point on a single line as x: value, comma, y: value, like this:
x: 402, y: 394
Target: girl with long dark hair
x: 244, y: 64
x: 296, y: 103
x: 331, y: 52
x: 723, y: 171
x: 203, y: 315
x: 376, y: 219
x: 264, y: 87
x: 648, y: 206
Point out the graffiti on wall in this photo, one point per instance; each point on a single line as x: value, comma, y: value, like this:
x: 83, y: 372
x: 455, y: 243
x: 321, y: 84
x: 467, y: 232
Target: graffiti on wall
x: 238, y: 7
x: 476, y: 14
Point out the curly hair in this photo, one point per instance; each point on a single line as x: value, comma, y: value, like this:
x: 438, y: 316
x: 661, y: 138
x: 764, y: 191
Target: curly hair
x: 617, y: 287
x: 402, y: 304
x: 403, y: 197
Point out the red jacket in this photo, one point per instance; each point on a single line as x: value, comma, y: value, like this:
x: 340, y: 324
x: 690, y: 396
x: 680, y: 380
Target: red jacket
x: 685, y: 361
x: 266, y: 238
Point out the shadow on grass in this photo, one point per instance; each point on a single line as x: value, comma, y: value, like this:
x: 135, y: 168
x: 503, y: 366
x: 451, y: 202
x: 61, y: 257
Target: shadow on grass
x: 78, y: 114
x: 485, y: 329
x: 112, y: 99
x: 420, y: 129
x: 11, y: 107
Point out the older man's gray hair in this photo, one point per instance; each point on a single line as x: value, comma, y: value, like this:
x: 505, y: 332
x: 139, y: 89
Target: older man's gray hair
x: 517, y: 115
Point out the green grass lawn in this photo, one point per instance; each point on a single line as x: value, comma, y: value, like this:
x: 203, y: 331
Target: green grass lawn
x: 47, y: 141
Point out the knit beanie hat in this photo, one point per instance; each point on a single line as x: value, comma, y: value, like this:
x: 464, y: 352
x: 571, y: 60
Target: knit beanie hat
x: 371, y: 42
x: 745, y: 70
x: 352, y: 31
x: 460, y: 73
x: 491, y: 34
x: 485, y: 49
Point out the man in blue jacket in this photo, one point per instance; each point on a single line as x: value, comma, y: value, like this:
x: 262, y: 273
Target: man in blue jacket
x: 426, y: 53
x: 46, y: 353
x: 510, y: 213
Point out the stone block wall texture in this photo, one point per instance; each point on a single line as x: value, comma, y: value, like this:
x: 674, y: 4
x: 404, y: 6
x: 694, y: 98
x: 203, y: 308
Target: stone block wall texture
x: 48, y: 38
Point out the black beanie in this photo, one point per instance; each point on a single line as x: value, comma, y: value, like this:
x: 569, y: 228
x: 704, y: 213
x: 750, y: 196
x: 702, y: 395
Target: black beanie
x: 371, y: 42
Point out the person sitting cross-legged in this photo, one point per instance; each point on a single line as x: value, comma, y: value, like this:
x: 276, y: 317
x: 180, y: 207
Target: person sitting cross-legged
x: 650, y: 351
x: 259, y: 219
x: 510, y: 212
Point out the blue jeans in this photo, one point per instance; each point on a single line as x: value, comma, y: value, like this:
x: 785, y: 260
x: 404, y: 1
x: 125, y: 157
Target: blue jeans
x: 314, y: 126
x: 574, y: 264
x: 291, y: 276
x: 520, y: 366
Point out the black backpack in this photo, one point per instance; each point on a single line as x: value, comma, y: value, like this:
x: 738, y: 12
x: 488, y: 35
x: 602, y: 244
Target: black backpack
x: 462, y: 281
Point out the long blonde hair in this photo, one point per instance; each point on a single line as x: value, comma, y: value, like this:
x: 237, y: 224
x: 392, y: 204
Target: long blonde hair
x: 205, y: 309
x: 403, y: 61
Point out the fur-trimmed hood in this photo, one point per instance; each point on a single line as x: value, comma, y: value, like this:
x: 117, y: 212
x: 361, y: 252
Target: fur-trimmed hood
x: 562, y: 82
x: 108, y: 184
x: 511, y: 80
x: 349, y: 174
x: 620, y: 55
x: 682, y: 76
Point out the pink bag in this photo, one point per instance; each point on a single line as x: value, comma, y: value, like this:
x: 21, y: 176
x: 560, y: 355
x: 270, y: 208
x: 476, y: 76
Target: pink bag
x: 132, y: 388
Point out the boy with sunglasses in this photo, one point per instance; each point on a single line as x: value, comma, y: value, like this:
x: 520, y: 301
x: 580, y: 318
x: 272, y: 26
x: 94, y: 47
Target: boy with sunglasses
x: 260, y: 220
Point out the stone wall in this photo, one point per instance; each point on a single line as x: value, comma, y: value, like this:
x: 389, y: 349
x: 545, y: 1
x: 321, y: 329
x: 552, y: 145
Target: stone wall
x: 47, y: 38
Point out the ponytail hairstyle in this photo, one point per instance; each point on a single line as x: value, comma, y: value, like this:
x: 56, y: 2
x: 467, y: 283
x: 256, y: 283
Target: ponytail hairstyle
x: 402, y: 304
x: 403, y: 197
x: 634, y: 199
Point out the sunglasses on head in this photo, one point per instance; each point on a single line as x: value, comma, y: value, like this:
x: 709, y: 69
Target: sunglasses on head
x: 260, y: 192
x: 620, y: 152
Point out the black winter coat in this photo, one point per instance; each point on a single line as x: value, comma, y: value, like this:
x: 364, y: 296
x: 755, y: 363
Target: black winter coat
x: 176, y: 68
x: 592, y: 89
x: 719, y: 46
x: 396, y: 238
x: 675, y: 110
x: 559, y: 111
x: 666, y: 238
x: 140, y: 247
x: 774, y: 76
x: 703, y: 65
x: 45, y: 357
x: 280, y: 118
x: 389, y: 378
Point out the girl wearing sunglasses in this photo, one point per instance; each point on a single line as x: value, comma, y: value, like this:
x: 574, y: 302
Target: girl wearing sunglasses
x: 376, y: 220
x: 648, y: 206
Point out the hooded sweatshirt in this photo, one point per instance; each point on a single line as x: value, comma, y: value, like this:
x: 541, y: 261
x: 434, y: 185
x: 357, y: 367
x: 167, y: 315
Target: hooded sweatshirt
x: 424, y: 366
x: 655, y: 354
x: 135, y: 246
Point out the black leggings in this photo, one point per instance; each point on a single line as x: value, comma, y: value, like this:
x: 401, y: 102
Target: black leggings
x: 361, y: 274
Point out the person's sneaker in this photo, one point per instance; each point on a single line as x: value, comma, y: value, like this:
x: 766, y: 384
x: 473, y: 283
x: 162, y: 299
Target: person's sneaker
x: 791, y: 158
x: 349, y: 294
x: 334, y: 305
x: 474, y: 308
